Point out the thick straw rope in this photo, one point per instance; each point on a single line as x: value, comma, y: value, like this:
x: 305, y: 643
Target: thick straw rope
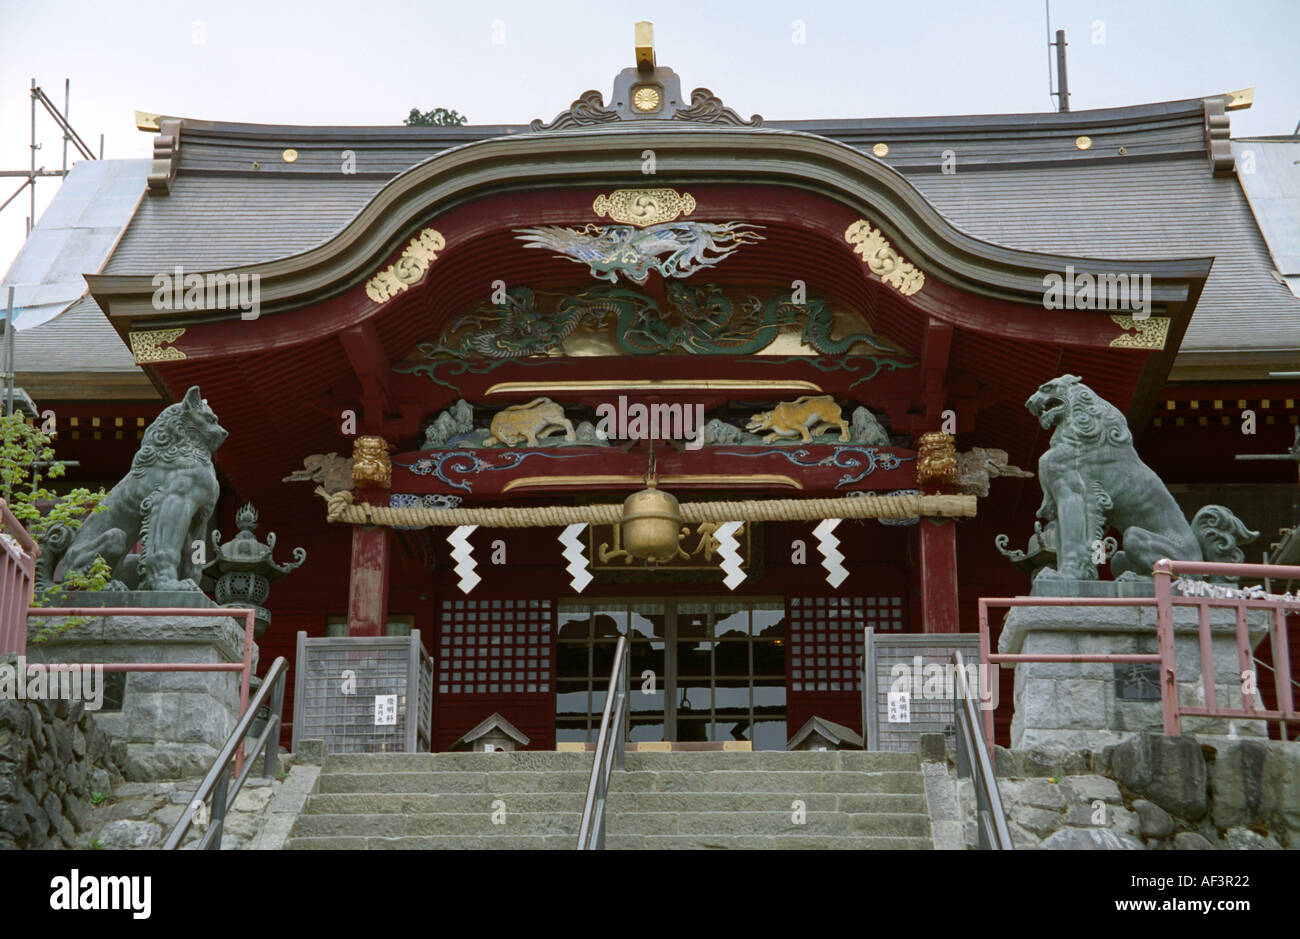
x: 340, y: 508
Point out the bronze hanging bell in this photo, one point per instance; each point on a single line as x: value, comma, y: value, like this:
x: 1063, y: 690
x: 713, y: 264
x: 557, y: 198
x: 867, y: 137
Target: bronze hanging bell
x: 652, y: 522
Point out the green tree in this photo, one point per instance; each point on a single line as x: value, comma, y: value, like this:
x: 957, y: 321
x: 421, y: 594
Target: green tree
x: 438, y: 117
x: 26, y: 461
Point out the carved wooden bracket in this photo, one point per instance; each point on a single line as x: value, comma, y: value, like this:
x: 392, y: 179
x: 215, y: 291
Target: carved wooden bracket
x: 166, y: 158
x: 1218, y: 143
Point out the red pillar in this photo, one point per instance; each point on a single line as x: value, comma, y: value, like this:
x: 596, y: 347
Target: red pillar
x: 368, y: 587
x: 938, y: 551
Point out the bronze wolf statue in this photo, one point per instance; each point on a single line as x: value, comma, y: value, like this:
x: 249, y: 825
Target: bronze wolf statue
x: 164, y: 502
x: 1093, y: 480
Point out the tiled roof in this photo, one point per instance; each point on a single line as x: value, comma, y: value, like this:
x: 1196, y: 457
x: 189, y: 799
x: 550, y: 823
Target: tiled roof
x: 1017, y: 180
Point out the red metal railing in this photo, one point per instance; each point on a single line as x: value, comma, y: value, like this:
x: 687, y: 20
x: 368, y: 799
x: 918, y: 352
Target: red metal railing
x: 1285, y: 710
x: 1164, y: 601
x: 17, y: 581
x: 246, y: 667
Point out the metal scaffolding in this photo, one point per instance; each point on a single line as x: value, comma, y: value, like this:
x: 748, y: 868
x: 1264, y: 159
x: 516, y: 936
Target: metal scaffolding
x: 30, y: 175
x: 70, y: 136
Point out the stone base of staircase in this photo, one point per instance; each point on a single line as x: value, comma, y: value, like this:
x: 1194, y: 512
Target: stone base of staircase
x: 531, y: 800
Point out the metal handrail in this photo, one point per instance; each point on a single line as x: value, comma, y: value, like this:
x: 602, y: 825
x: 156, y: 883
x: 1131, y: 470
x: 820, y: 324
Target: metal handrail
x: 591, y: 833
x: 973, y: 760
x: 217, y: 782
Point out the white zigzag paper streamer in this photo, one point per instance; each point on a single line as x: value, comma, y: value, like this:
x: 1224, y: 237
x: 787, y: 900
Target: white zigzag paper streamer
x: 573, y: 547
x: 729, y: 552
x: 828, y: 545
x: 463, y: 554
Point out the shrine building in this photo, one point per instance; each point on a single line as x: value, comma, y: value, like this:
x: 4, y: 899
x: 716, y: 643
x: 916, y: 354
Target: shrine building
x: 652, y: 286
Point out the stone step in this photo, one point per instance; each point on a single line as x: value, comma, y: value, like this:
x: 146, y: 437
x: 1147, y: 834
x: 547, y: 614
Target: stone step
x: 481, y: 824
x: 434, y: 843
x: 403, y: 803
x: 612, y: 842
x: 887, y: 802
x: 798, y: 783
x: 528, y: 760
x: 768, y: 823
x: 445, y: 782
x: 475, y: 824
x: 377, y: 803
x: 775, y: 761
x: 543, y: 760
x: 762, y: 843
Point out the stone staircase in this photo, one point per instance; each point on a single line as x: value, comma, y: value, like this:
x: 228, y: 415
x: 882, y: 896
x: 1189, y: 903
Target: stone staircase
x: 682, y: 800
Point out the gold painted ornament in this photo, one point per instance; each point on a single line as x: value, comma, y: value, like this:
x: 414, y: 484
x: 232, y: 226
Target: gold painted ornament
x: 371, y: 465
x: 644, y: 207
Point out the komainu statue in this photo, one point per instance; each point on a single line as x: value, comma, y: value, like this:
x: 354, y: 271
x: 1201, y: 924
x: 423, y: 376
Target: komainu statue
x: 1093, y: 481
x: 164, y: 503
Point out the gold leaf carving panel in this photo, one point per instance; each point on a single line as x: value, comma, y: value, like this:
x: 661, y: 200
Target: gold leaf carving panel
x: 148, y: 345
x: 1150, y: 333
x: 642, y: 207
x: 882, y: 260
x: 408, y: 269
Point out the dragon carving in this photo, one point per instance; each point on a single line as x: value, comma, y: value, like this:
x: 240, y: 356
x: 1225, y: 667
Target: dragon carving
x: 708, y: 323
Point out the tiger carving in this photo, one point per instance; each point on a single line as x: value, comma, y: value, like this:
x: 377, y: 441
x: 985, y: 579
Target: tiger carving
x: 816, y: 413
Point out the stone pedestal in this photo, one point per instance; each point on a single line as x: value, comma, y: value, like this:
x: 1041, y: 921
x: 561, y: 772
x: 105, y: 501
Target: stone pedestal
x: 174, y: 723
x: 1079, y: 705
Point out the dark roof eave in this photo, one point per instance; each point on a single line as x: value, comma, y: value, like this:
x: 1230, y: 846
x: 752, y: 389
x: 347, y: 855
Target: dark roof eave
x: 1073, y: 120
x: 788, y: 158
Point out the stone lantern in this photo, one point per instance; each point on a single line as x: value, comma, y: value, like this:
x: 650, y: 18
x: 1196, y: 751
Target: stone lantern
x: 244, y: 571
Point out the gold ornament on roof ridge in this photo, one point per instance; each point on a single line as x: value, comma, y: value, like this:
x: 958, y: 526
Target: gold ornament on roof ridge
x: 643, y: 207
x: 646, y: 98
x: 408, y: 269
x: 882, y: 259
x: 1151, y: 332
x: 147, y: 345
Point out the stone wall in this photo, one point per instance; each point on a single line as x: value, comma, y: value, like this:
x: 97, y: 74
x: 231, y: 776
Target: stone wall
x: 141, y: 815
x: 53, y: 762
x: 1153, y: 792
x: 173, y: 723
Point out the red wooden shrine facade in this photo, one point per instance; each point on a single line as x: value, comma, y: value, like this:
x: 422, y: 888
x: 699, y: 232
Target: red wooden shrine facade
x: 359, y: 336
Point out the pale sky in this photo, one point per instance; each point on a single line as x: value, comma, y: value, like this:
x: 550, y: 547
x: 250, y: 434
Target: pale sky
x: 370, y: 62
